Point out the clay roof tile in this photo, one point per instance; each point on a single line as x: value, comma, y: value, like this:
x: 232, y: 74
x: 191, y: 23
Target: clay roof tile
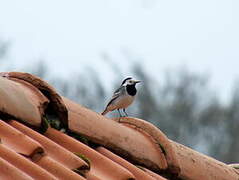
x: 137, y: 172
x: 196, y: 166
x: 22, y: 101
x: 14, y: 139
x: 8, y: 171
x: 56, y: 102
x: 54, y: 150
x: 125, y: 140
x: 57, y: 169
x: 126, y: 150
x: 101, y: 166
x: 24, y: 164
x: 153, y: 174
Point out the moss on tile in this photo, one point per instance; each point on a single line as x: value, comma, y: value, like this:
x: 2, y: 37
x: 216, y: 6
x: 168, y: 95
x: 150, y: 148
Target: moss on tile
x: 140, y: 167
x: 236, y: 166
x: 162, y: 148
x: 50, y: 120
x: 44, y: 125
x: 84, y: 158
x: 80, y: 138
x: 54, y: 122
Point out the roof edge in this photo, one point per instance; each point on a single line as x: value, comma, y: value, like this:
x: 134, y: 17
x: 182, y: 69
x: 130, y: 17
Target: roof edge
x: 56, y: 102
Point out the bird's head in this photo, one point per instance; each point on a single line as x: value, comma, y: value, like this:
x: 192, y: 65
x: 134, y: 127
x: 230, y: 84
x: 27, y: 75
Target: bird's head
x: 129, y: 81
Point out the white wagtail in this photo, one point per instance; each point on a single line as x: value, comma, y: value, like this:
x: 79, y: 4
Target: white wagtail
x: 122, y: 97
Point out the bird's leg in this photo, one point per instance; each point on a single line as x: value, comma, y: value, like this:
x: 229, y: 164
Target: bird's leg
x: 119, y: 114
x: 125, y: 113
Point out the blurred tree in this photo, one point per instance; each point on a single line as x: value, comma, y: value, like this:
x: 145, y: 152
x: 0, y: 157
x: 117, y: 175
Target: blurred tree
x: 4, y: 46
x: 231, y: 124
x: 41, y: 69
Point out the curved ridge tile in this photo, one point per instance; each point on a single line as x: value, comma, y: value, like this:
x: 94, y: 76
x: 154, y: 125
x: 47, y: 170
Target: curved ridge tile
x: 22, y: 101
x: 160, y: 139
x: 14, y: 139
x: 91, y: 176
x: 58, y: 153
x: 55, y: 99
x: 196, y: 166
x: 154, y: 175
x: 138, y: 173
x: 128, y: 142
x: 58, y: 170
x: 235, y: 166
x: 8, y: 171
x: 101, y: 167
x: 24, y: 164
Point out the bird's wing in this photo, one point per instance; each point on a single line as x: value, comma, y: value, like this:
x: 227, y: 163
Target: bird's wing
x: 116, y: 94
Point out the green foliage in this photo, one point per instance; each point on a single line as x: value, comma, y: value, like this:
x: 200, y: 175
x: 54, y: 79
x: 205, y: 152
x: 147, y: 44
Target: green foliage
x: 80, y: 138
x: 140, y: 167
x: 84, y: 158
x: 44, y: 125
x: 53, y: 121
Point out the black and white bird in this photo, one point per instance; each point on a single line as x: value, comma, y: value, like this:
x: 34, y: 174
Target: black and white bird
x: 122, y: 97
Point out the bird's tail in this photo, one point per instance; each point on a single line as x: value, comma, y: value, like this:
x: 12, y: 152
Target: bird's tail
x: 105, y: 112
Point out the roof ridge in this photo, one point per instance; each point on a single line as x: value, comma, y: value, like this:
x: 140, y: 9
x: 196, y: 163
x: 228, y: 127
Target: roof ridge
x: 136, y: 141
x: 56, y: 102
x: 160, y: 139
x: 22, y: 101
x: 123, y: 140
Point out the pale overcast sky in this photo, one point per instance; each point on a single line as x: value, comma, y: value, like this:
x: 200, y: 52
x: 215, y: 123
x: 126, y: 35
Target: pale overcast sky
x: 204, y: 35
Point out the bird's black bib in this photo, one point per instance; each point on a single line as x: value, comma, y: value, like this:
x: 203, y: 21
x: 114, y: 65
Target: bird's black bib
x: 131, y: 90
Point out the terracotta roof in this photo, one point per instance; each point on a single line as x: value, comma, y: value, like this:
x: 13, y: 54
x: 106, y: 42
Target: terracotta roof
x: 112, y: 150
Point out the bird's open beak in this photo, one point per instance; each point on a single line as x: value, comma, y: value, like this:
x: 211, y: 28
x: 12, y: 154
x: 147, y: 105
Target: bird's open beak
x: 137, y: 81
